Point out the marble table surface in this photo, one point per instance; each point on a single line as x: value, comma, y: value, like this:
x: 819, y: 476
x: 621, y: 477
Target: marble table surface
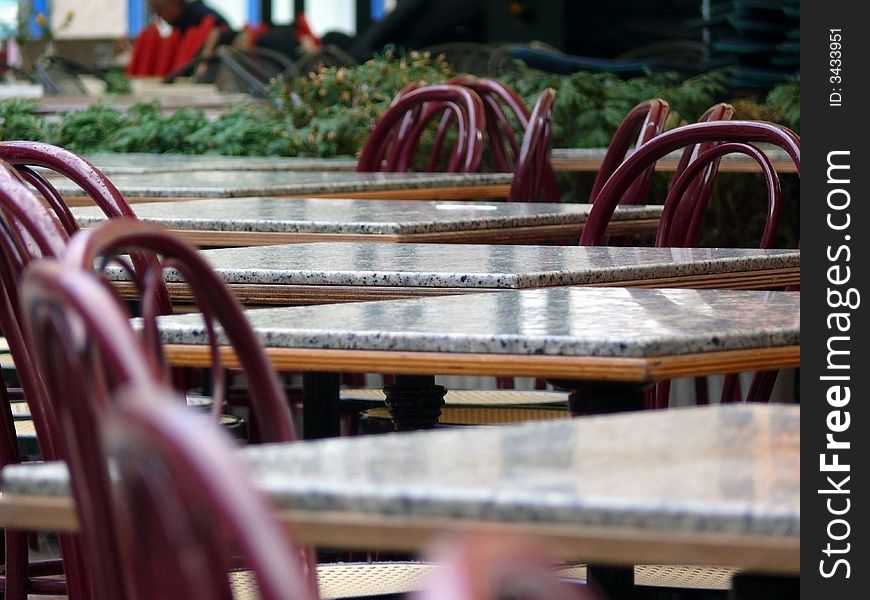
x: 479, y: 265
x: 566, y: 321
x: 330, y: 215
x: 589, y: 159
x: 214, y: 184
x: 140, y: 162
x: 731, y: 471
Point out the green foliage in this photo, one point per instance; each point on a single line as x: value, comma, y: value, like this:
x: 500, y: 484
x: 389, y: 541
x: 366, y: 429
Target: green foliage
x: 782, y: 105
x: 17, y: 122
x: 332, y: 111
x: 590, y: 106
x: 117, y: 82
x: 88, y: 130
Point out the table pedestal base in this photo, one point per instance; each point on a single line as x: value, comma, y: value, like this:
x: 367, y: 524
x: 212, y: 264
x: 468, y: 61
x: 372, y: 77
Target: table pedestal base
x: 414, y: 402
x: 612, y: 582
x: 604, y: 397
x: 747, y: 586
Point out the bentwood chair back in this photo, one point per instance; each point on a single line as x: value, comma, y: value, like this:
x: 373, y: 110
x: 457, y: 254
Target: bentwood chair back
x: 722, y: 138
x: 25, y: 156
x: 507, y: 119
x: 393, y: 144
x: 642, y: 123
x: 107, y: 243
x: 85, y: 349
x: 635, y: 166
x: 27, y: 232
x: 184, y: 501
x: 531, y: 169
x: 699, y: 191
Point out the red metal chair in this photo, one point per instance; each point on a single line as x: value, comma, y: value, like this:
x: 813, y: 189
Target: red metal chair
x: 87, y: 351
x: 696, y: 133
x: 681, y: 228
x: 507, y: 119
x: 183, y: 489
x: 108, y: 242
x: 640, y: 125
x: 393, y: 144
x: 27, y: 232
x: 24, y: 156
x: 701, y: 188
x: 531, y: 169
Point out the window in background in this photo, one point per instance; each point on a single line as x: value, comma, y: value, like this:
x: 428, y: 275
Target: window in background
x: 336, y: 15
x: 282, y: 12
x: 234, y: 11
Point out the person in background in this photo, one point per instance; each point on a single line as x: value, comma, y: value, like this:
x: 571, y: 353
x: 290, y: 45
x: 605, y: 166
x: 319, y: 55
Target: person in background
x: 184, y: 14
x: 196, y: 30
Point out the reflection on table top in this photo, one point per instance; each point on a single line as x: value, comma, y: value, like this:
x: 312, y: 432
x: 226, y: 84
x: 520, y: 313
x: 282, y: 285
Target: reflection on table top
x: 707, y: 485
x: 347, y: 216
x: 481, y: 266
x: 140, y: 162
x: 621, y: 334
x: 589, y: 160
x: 224, y: 184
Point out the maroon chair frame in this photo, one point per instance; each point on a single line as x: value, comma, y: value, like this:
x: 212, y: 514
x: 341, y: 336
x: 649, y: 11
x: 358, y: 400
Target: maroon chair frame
x: 636, y: 165
x: 530, y: 171
x: 396, y: 137
x: 79, y: 374
x: 501, y: 103
x: 642, y: 123
x: 24, y: 155
x: 183, y: 489
x: 29, y: 231
x: 107, y: 241
x: 699, y: 192
x: 486, y: 567
x: 87, y: 350
x: 721, y: 137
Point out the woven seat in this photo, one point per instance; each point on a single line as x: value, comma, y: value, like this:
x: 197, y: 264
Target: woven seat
x: 472, y: 415
x: 350, y: 580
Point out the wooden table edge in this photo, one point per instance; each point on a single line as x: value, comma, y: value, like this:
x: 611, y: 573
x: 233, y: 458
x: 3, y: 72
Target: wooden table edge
x: 600, y: 544
x: 617, y: 545
x: 592, y: 368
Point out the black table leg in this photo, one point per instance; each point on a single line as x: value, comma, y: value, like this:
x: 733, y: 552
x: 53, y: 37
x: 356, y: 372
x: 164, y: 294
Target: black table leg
x: 615, y: 583
x: 320, y: 414
x: 414, y: 402
x: 747, y: 586
x: 599, y: 398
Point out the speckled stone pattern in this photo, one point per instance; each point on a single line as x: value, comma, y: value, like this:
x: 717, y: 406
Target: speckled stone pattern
x: 115, y: 164
x: 733, y: 468
x: 567, y: 321
x: 774, y: 152
x: 214, y: 184
x: 330, y: 215
x: 484, y: 266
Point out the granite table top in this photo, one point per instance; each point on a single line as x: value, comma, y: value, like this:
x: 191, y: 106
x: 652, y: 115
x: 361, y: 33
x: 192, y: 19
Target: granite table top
x: 344, y: 216
x: 215, y: 184
x: 699, y: 476
x: 564, y: 322
x: 478, y: 265
x: 589, y: 159
x: 140, y: 162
